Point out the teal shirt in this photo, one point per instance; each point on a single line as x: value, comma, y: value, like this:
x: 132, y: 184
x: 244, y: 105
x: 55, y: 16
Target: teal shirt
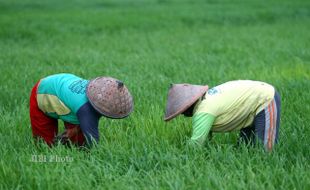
x: 61, y: 95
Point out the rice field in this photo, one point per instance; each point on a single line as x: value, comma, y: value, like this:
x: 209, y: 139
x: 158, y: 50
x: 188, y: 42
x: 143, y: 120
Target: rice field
x: 149, y: 44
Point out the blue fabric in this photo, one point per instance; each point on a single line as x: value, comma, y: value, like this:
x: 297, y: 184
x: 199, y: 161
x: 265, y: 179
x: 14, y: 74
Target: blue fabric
x: 89, y: 119
x: 257, y: 129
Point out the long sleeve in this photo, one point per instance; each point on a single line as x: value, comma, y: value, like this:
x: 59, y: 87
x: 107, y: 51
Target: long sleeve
x: 89, y: 120
x: 202, y: 124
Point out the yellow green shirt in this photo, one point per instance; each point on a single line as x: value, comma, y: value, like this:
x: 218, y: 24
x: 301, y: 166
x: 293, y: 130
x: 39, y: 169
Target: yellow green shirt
x: 230, y: 106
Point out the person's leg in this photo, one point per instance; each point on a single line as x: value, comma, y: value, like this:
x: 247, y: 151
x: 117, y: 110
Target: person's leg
x: 267, y: 123
x: 278, y: 105
x: 259, y: 125
x: 42, y: 126
x: 247, y: 135
x: 74, y: 134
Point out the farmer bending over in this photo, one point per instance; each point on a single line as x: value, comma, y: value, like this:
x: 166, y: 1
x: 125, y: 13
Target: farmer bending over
x: 79, y: 103
x: 252, y: 107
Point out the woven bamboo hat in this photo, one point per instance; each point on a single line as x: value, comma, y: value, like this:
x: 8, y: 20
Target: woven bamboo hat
x: 181, y: 97
x: 110, y: 97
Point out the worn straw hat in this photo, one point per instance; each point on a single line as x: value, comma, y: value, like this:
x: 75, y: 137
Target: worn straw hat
x: 110, y: 97
x: 181, y: 97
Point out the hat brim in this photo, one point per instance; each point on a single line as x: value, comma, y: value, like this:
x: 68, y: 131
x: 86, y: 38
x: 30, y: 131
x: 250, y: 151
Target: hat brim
x: 188, y: 104
x: 101, y: 111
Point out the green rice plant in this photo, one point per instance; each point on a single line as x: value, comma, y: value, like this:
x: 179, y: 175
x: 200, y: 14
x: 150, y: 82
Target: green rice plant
x: 148, y: 45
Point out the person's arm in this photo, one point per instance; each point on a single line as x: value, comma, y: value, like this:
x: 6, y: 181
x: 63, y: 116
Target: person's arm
x: 202, y: 124
x: 89, y: 119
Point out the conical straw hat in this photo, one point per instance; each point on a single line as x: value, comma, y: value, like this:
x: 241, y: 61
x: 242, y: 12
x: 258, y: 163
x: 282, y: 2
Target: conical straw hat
x: 110, y: 97
x: 181, y: 97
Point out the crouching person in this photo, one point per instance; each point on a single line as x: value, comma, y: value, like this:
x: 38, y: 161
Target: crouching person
x: 79, y: 103
x: 252, y: 107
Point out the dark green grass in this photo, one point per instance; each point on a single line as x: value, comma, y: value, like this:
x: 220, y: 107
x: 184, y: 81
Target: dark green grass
x: 150, y: 44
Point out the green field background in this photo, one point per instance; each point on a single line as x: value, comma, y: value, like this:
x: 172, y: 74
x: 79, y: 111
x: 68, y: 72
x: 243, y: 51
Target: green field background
x: 149, y: 44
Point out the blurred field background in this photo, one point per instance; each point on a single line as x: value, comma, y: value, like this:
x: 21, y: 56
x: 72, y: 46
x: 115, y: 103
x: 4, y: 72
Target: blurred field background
x: 149, y: 44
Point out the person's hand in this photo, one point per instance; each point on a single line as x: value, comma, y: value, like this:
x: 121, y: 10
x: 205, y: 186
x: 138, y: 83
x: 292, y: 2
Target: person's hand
x: 210, y: 136
x: 64, y: 138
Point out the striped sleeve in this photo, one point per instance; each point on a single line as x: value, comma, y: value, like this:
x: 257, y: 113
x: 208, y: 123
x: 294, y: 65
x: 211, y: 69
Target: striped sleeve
x: 202, y: 123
